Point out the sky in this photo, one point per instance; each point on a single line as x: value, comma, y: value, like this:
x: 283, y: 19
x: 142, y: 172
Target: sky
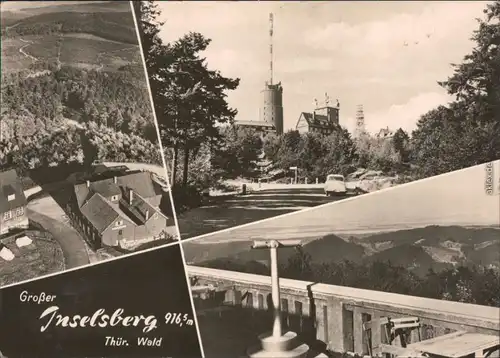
x: 354, y: 51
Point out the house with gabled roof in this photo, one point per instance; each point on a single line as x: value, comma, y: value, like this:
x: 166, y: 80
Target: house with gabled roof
x: 12, y: 202
x: 385, y: 133
x: 120, y: 211
x: 323, y: 119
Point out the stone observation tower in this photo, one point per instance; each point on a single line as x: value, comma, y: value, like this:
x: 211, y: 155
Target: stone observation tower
x: 272, y: 95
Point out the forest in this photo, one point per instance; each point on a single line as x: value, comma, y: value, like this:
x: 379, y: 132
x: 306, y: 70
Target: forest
x: 468, y: 284
x: 115, y: 26
x: 75, y: 116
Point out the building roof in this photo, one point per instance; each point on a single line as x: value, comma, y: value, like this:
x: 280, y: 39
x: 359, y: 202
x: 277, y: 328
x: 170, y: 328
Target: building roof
x: 317, y: 121
x: 141, y: 183
x: 99, y: 212
x: 10, y: 184
x: 254, y: 124
x: 385, y: 133
x: 137, y: 209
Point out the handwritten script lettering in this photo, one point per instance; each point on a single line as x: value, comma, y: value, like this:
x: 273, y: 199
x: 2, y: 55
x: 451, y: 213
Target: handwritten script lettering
x: 98, y: 319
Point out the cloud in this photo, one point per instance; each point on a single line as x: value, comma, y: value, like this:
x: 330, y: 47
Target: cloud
x: 440, y: 20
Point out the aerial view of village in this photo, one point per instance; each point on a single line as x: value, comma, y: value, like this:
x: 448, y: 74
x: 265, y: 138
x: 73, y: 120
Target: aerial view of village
x: 81, y: 174
x: 302, y: 112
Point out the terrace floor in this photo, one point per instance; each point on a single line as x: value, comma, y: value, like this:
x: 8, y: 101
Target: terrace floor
x: 230, y: 333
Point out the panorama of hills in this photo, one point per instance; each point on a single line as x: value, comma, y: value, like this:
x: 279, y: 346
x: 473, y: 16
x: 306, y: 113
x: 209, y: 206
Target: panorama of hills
x: 419, y: 249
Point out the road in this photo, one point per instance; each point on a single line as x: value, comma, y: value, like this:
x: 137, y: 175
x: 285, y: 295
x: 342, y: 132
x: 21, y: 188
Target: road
x: 267, y: 201
x: 46, y: 212
x: 242, y: 209
x: 456, y: 198
x: 21, y: 50
x: 158, y: 170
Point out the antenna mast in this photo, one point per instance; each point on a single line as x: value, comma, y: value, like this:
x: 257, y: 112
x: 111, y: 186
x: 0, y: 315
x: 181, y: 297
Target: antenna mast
x: 271, y: 48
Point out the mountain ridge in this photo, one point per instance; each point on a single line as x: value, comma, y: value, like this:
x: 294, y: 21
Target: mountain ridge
x: 432, y: 247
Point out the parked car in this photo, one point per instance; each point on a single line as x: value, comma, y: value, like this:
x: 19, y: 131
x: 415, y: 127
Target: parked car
x: 335, y: 184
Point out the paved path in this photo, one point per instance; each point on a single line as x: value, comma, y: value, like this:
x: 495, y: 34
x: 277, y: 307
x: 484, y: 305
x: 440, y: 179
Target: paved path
x: 239, y: 210
x: 457, y: 198
x: 51, y: 217
x: 271, y: 200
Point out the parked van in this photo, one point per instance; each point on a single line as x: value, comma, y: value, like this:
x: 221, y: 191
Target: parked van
x: 335, y: 184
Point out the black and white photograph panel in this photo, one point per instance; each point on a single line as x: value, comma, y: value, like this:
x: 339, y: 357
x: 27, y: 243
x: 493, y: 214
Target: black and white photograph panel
x: 81, y: 173
x: 410, y: 271
x: 273, y: 107
x: 139, y: 306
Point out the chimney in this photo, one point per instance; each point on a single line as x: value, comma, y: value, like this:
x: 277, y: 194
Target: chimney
x: 115, y: 180
x: 131, y: 196
x: 147, y: 214
x: 88, y: 183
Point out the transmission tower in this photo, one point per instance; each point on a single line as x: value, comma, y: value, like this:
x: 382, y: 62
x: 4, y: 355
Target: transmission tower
x: 360, y: 121
x: 271, y: 21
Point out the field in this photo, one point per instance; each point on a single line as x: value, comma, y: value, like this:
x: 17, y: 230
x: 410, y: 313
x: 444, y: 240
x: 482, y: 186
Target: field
x: 41, y: 257
x: 81, y: 50
x: 9, y: 17
x: 98, y: 36
x: 12, y: 59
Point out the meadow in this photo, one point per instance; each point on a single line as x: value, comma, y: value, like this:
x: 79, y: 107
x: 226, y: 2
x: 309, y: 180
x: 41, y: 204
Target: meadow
x: 80, y: 50
x: 12, y: 59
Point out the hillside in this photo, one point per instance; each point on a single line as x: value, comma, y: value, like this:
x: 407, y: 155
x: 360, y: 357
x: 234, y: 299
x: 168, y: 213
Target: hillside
x: 73, y: 89
x: 98, y: 36
x: 47, y: 7
x: 9, y: 18
x: 116, y: 26
x: 436, y: 247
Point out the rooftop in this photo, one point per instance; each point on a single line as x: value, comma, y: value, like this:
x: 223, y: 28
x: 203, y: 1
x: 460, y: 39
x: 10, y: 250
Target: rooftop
x: 10, y: 184
x: 92, y: 198
x: 141, y: 183
x: 317, y: 120
x: 254, y: 124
